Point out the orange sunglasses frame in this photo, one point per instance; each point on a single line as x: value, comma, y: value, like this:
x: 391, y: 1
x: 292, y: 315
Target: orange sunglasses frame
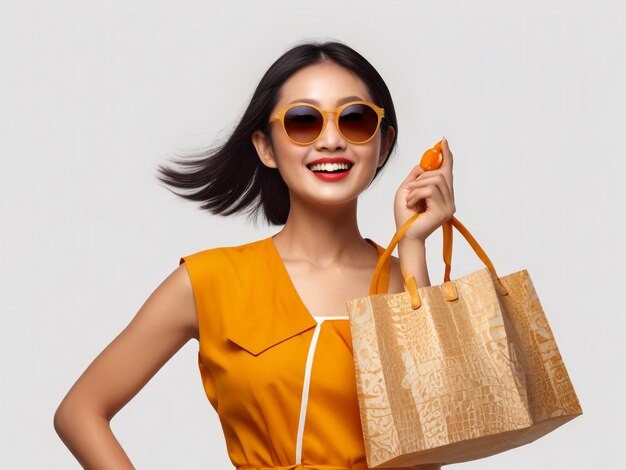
x: 280, y: 116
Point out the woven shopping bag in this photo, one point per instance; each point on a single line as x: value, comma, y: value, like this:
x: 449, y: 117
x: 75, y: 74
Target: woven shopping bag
x: 457, y: 371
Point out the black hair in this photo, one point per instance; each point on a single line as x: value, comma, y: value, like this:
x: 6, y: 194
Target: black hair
x: 231, y: 178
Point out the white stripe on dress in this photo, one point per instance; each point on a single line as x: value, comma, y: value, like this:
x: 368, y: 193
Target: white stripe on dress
x: 307, y: 380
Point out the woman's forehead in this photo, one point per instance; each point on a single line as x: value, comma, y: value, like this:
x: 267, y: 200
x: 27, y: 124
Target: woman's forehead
x: 325, y: 84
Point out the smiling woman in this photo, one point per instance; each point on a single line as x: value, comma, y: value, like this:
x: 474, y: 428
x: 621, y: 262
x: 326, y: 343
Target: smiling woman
x: 231, y: 178
x: 275, y: 350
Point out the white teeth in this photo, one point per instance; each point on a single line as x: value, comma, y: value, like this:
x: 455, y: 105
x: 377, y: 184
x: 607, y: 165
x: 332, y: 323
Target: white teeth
x: 330, y: 166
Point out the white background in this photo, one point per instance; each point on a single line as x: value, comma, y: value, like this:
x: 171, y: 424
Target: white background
x: 94, y: 95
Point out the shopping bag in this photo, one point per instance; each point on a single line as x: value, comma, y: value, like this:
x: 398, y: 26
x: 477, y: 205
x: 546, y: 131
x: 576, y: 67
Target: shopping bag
x: 457, y: 371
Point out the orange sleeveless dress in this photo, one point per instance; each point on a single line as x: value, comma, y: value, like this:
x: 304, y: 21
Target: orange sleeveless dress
x: 281, y: 380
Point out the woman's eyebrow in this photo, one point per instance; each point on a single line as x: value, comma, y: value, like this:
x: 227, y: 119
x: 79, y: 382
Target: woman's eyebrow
x: 339, y: 102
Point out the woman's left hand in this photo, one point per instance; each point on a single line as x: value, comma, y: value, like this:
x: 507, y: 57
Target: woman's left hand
x: 429, y: 192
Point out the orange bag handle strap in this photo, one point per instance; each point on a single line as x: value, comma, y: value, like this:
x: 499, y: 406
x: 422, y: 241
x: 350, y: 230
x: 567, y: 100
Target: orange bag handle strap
x: 447, y: 249
x: 377, y: 288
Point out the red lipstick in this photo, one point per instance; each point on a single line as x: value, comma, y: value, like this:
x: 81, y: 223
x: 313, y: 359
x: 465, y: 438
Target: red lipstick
x: 331, y: 176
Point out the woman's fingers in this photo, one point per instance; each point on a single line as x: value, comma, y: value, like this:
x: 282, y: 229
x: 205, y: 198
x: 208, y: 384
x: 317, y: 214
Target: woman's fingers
x: 432, y: 192
x: 445, y: 148
x: 437, y: 180
x: 447, y: 164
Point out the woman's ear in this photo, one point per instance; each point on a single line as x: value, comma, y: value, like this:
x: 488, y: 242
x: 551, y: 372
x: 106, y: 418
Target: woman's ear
x: 264, y: 149
x: 384, y: 151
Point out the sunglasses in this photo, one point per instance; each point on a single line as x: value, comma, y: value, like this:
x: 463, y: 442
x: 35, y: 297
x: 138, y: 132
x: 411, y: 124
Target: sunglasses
x: 357, y: 121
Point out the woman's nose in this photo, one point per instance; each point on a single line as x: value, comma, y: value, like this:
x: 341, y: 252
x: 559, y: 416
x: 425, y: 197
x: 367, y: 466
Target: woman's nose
x: 330, y: 137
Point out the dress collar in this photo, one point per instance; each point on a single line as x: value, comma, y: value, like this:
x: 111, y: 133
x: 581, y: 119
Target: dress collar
x: 272, y: 311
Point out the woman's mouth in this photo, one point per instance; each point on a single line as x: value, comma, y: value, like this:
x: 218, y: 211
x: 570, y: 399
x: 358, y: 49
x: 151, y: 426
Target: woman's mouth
x: 330, y: 171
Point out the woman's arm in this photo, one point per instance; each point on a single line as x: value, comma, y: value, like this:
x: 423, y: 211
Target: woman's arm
x: 165, y: 323
x: 431, y: 193
x: 412, y: 254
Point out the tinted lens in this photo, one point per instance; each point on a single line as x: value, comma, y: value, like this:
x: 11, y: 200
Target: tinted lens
x: 358, y: 122
x: 303, y: 123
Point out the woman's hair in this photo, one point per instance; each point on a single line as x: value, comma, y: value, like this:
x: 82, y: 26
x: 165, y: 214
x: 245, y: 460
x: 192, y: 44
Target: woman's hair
x: 231, y: 178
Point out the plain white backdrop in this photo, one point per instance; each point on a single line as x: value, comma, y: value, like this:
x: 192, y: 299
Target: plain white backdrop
x: 94, y: 95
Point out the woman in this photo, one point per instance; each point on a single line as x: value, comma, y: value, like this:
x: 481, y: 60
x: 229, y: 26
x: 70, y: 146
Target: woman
x: 269, y: 315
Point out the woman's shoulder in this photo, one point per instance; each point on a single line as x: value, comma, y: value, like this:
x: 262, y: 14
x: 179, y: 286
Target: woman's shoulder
x: 222, y: 259
x: 242, y: 249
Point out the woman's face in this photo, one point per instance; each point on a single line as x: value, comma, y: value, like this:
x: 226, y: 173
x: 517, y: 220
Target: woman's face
x: 326, y: 85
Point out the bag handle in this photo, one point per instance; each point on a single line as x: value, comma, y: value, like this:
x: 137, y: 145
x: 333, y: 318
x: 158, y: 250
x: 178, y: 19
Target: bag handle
x: 448, y: 287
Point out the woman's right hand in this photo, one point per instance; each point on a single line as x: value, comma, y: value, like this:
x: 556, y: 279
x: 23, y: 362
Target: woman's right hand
x: 431, y: 193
